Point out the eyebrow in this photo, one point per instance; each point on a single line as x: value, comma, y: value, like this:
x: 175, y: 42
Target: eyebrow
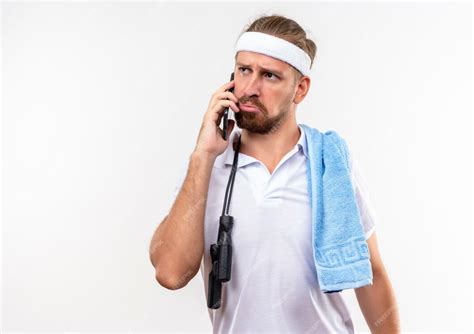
x: 263, y: 68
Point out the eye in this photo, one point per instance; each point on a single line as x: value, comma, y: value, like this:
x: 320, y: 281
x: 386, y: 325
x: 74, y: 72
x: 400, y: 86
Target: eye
x: 272, y: 75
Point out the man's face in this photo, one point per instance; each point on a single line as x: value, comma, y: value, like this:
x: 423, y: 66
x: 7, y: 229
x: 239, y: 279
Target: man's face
x: 267, y: 84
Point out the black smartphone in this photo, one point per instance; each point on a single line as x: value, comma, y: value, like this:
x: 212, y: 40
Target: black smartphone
x: 225, y: 119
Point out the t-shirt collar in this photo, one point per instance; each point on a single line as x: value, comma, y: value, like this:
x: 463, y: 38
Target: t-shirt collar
x: 228, y: 155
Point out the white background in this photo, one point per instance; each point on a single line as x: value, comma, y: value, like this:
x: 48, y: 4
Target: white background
x: 102, y: 104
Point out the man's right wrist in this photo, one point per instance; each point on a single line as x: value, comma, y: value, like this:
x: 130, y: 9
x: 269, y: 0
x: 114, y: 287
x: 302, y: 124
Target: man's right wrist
x: 203, y: 156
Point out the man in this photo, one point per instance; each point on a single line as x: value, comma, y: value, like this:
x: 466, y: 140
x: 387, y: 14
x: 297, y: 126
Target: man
x: 273, y: 286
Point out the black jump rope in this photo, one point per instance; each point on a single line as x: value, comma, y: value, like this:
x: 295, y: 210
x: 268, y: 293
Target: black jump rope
x: 221, y: 252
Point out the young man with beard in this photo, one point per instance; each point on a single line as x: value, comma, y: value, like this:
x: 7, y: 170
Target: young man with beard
x: 273, y: 286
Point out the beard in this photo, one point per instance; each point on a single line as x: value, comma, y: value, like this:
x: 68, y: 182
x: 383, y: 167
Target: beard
x: 260, y: 122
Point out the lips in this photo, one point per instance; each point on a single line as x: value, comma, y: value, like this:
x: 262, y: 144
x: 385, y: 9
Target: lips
x: 248, y: 107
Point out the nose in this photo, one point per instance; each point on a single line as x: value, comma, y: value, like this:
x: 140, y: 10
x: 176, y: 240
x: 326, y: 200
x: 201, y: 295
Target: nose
x: 251, y: 86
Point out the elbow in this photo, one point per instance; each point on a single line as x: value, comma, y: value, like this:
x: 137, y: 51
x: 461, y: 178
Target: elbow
x: 173, y: 281
x: 168, y: 275
x: 167, y: 282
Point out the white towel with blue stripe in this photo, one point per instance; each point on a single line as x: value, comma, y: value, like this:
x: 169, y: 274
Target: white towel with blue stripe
x: 340, y: 251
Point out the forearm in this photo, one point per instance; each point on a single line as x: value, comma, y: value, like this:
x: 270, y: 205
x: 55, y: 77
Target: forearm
x: 177, y: 245
x: 378, y: 305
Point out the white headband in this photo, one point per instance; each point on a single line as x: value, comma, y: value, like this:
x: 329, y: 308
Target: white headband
x: 274, y: 47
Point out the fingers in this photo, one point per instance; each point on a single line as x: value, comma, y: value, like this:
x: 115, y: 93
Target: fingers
x: 223, y: 89
x: 226, y: 86
x: 216, y: 112
x: 228, y: 96
x: 220, y: 100
x: 219, y: 95
x: 226, y: 103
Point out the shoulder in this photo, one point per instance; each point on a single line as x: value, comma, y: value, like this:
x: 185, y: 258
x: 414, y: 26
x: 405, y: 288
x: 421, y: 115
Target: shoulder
x: 330, y: 139
x: 330, y: 135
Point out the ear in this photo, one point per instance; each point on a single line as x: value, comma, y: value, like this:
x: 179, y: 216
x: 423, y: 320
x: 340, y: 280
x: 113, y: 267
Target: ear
x: 303, y: 85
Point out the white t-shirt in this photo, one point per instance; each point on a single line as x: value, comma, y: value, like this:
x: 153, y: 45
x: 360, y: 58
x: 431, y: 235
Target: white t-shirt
x: 273, y: 286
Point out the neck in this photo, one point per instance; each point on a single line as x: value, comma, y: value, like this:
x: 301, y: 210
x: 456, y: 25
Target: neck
x: 270, y: 148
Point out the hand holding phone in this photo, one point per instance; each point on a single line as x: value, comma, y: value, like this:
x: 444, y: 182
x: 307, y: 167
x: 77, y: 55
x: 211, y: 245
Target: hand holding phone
x: 212, y: 140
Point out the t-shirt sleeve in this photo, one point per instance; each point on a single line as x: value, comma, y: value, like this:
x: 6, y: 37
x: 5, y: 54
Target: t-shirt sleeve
x: 366, y: 209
